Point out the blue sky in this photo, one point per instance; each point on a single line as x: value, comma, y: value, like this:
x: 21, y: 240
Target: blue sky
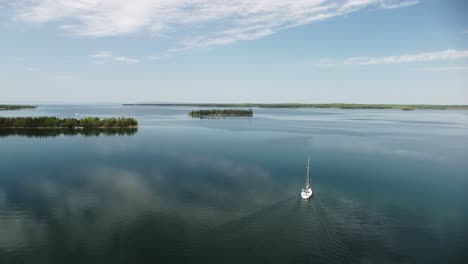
x: 316, y: 51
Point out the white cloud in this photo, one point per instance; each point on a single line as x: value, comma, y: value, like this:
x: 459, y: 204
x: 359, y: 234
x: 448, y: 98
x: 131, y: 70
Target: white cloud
x: 225, y: 38
x: 103, y: 57
x: 397, y: 4
x: 126, y: 59
x: 449, y: 54
x: 200, y: 23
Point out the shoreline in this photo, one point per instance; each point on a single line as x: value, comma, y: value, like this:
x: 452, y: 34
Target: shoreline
x: 12, y: 107
x: 406, y: 107
x: 85, y: 123
x: 73, y: 128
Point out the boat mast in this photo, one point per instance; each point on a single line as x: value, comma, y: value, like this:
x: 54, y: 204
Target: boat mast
x: 308, y: 173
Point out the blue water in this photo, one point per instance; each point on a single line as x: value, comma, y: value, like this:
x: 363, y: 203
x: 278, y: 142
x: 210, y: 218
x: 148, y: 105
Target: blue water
x: 390, y: 187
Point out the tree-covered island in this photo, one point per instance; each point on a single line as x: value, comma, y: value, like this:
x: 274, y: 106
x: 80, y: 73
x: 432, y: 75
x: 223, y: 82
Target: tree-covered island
x: 42, y: 133
x: 408, y: 108
x: 221, y: 112
x: 67, y: 123
x: 16, y: 107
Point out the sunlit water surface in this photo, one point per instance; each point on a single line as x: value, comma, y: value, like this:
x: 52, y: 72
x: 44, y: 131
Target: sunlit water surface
x: 390, y: 188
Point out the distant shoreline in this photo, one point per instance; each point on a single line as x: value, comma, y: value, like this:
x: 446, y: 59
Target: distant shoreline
x: 405, y: 107
x: 6, y: 107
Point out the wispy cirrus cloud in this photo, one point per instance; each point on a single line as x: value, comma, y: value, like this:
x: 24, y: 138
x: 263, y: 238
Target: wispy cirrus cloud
x: 397, y: 4
x: 103, y: 57
x: 196, y: 23
x: 126, y: 59
x: 449, y: 54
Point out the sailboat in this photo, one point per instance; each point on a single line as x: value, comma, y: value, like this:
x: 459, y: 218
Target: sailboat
x: 307, y: 192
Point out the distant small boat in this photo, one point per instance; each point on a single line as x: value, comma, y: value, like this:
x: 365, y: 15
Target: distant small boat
x: 307, y: 192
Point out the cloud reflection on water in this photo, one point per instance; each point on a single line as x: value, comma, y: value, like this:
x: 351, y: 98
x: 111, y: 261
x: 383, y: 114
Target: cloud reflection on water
x: 94, y: 206
x: 98, y: 200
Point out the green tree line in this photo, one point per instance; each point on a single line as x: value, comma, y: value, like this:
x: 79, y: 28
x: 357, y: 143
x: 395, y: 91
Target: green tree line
x: 15, y: 107
x: 221, y: 112
x: 67, y: 123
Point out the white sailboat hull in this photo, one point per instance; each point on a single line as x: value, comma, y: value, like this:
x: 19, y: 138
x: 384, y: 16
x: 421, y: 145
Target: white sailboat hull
x: 306, y: 194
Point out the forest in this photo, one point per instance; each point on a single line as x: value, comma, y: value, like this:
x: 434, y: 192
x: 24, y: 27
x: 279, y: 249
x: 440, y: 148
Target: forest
x: 15, y: 107
x: 221, y: 112
x: 67, y: 123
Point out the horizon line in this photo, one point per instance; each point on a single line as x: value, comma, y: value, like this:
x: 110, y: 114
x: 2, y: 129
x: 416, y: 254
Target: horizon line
x: 220, y: 103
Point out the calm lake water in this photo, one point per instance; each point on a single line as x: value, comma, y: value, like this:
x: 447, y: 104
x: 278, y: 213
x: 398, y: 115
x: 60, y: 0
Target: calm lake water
x: 391, y: 187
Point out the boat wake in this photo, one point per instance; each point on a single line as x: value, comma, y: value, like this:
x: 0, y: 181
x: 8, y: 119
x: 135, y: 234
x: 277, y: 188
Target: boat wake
x: 290, y: 227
